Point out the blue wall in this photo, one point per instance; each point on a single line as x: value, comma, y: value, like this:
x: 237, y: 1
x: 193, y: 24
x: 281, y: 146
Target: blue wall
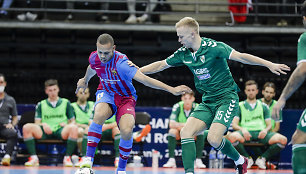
x: 157, y: 139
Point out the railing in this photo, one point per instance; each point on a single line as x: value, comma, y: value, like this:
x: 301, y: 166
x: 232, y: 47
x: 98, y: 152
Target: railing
x: 218, y: 9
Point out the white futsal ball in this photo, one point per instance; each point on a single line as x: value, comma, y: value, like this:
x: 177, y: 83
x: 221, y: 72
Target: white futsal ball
x: 84, y: 171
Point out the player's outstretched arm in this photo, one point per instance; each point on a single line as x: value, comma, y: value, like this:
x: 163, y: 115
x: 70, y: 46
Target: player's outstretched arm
x: 83, y: 82
x: 254, y: 60
x: 153, y: 83
x: 295, y: 81
x: 154, y: 67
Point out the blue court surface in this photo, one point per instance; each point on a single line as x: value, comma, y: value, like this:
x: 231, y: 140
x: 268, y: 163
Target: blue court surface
x: 111, y: 170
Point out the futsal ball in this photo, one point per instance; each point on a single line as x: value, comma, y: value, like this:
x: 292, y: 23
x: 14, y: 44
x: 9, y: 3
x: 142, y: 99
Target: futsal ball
x: 84, y: 171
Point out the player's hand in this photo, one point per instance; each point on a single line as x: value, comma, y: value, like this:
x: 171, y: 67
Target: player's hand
x: 279, y: 68
x: 182, y: 89
x: 262, y: 134
x: 9, y: 126
x: 46, y: 128
x: 63, y: 124
x: 246, y: 134
x: 130, y: 63
x: 81, y: 84
x: 277, y: 108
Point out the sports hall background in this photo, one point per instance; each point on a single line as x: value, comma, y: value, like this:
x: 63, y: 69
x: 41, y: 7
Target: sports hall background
x: 52, y: 47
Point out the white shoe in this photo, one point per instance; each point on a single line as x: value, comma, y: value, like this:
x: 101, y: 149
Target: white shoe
x: 21, y: 17
x: 131, y: 20
x: 142, y: 18
x: 78, y: 164
x: 86, y: 163
x: 33, y: 162
x: 261, y: 162
x: 116, y: 162
x: 31, y: 16
x: 67, y: 161
x: 199, y: 164
x: 250, y: 162
x: 120, y: 172
x: 170, y: 164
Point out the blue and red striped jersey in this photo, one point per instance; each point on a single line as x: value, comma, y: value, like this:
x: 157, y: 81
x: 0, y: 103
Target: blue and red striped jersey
x: 115, y: 75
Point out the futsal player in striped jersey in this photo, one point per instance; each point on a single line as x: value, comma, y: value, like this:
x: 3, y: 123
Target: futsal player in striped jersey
x: 115, y: 95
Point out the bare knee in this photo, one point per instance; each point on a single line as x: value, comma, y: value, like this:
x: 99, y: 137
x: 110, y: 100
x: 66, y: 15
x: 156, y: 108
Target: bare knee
x: 234, y: 137
x: 27, y: 130
x: 214, y: 140
x: 185, y: 133
x: 173, y: 131
x: 126, y: 132
x: 73, y: 130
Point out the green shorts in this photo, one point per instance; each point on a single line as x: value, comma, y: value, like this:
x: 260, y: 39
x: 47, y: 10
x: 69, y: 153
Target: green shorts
x: 219, y: 110
x: 107, y: 135
x: 255, y: 134
x: 299, y: 159
x: 302, y: 123
x: 55, y: 135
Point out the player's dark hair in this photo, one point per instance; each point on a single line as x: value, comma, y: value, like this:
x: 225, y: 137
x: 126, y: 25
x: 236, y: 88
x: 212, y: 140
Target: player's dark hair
x: 269, y: 84
x: 105, y: 39
x: 50, y: 82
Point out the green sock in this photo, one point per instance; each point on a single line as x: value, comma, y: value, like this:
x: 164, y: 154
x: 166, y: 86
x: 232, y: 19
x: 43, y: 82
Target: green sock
x: 71, y: 144
x: 240, y: 148
x: 228, y: 149
x: 84, y: 145
x: 30, y: 144
x: 199, y: 146
x: 116, y: 144
x: 171, y: 145
x: 272, y: 150
x: 188, y: 154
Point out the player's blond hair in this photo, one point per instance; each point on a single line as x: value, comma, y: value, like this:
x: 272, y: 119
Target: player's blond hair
x: 189, y: 22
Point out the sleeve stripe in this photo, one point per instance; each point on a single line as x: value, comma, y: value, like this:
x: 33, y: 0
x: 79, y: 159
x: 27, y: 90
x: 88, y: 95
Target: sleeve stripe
x: 231, y: 54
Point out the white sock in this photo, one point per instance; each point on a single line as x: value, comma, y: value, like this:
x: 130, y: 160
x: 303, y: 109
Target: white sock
x: 239, y: 161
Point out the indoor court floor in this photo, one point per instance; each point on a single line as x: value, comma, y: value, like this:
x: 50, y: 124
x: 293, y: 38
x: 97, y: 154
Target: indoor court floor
x: 111, y: 170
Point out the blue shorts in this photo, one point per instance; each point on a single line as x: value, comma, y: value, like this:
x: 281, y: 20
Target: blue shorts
x: 105, y: 97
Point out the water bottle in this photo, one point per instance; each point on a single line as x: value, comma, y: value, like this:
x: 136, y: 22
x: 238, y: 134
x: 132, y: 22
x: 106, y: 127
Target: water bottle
x: 155, y: 155
x: 212, y: 158
x: 54, y: 154
x: 220, y: 157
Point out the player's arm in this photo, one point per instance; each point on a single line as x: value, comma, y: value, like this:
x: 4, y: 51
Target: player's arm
x: 156, y: 84
x: 154, y: 67
x: 254, y: 60
x: 83, y: 82
x: 295, y: 81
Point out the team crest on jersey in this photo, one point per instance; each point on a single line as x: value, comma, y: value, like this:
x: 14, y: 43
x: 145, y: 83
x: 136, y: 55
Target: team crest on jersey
x: 202, y: 58
x: 114, y: 72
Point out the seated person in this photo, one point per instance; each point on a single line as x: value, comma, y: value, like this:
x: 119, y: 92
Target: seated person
x: 268, y: 93
x: 254, y: 124
x: 7, y: 131
x: 178, y: 118
x: 53, y: 118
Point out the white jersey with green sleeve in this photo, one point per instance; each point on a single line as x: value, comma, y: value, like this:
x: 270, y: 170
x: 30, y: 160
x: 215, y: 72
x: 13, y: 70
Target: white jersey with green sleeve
x: 208, y: 64
x: 301, y: 53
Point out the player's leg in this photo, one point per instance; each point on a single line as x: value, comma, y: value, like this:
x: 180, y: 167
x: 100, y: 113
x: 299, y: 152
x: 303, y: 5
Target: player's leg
x: 299, y: 147
x: 173, y: 135
x: 276, y: 142
x: 200, y: 141
x: 116, y: 136
x: 125, y: 118
x: 188, y: 132
x: 226, y: 109
x: 102, y: 112
x: 31, y: 132
x: 69, y: 133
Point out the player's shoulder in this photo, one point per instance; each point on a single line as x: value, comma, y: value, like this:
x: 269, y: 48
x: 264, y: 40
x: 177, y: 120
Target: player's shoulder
x: 93, y: 57
x: 120, y: 56
x: 302, y: 37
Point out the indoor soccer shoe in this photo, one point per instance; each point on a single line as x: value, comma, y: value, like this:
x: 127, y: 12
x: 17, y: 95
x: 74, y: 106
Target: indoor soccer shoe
x: 116, y: 162
x: 261, y: 162
x: 170, y: 164
x: 198, y: 164
x: 242, y: 168
x: 137, y: 136
x: 32, y: 162
x: 250, y: 162
x: 86, y: 163
x: 67, y: 161
x: 6, y: 161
